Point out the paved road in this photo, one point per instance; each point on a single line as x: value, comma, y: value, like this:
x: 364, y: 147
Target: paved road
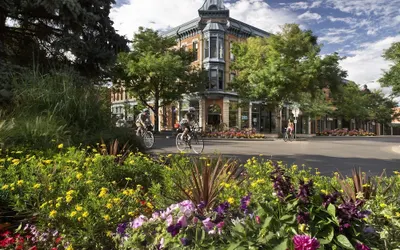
x: 328, y: 154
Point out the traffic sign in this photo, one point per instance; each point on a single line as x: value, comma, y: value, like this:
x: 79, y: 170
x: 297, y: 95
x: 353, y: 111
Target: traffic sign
x: 295, y: 112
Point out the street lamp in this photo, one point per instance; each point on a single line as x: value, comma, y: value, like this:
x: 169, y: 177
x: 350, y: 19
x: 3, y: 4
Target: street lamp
x: 295, y: 112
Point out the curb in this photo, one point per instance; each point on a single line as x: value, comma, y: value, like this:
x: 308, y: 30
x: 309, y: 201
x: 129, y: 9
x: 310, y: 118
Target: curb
x: 396, y: 149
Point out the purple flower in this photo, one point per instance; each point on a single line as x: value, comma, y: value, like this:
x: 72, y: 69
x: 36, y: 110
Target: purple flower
x: 361, y: 246
x: 303, y: 217
x: 282, y: 183
x: 185, y: 241
x: 220, y: 226
x: 330, y: 199
x: 169, y: 220
x: 138, y: 222
x: 349, y: 212
x: 201, y: 205
x: 305, y: 191
x: 187, y: 207
x: 222, y: 208
x: 304, y: 242
x: 244, y: 203
x: 174, y: 229
x: 121, y: 228
x: 208, y: 225
x: 183, y: 221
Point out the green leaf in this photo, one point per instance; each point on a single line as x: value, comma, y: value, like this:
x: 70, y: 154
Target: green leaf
x: 326, y: 236
x: 234, y: 246
x: 344, y: 242
x: 267, y: 222
x: 288, y: 219
x: 332, y: 210
x: 281, y: 246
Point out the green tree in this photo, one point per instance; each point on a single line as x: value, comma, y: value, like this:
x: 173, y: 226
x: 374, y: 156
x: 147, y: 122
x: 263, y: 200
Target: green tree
x: 380, y: 108
x: 74, y: 32
x: 156, y: 73
x: 391, y: 78
x: 279, y: 67
x: 352, y: 103
x: 316, y: 106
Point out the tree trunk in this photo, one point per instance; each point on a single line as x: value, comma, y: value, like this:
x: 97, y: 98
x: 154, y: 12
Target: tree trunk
x: 156, y: 110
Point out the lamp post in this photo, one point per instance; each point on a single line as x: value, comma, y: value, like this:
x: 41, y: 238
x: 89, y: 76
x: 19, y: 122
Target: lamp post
x: 295, y: 112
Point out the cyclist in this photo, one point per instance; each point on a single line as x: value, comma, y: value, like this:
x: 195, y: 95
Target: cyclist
x: 187, y: 121
x: 290, y: 128
x: 142, y: 121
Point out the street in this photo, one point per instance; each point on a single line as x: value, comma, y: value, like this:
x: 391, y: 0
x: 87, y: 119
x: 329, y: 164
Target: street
x: 328, y: 154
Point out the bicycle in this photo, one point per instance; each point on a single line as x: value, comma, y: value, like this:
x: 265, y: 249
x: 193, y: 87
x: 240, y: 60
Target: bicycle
x: 147, y: 137
x: 196, y: 142
x: 288, y: 137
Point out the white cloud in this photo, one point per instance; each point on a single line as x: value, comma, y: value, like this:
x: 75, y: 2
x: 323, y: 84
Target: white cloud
x: 299, y: 6
x: 348, y: 20
x: 307, y: 16
x: 315, y: 4
x: 366, y: 65
x: 162, y: 15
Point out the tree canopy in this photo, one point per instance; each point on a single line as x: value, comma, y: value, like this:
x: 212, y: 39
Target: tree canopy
x: 156, y: 72
x: 391, y: 78
x: 70, y: 32
x: 280, y: 67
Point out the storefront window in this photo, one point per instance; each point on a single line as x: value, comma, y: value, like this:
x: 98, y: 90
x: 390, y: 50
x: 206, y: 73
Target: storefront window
x: 245, y: 115
x: 214, y: 115
x: 233, y: 114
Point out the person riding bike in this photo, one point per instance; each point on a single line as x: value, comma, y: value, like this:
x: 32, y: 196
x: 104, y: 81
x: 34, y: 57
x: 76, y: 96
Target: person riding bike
x: 187, y: 121
x: 289, y: 128
x: 142, y: 121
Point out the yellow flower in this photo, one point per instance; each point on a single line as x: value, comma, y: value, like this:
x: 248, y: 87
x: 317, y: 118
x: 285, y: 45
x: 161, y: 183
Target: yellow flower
x: 128, y: 179
x: 36, y: 186
x: 149, y: 205
x: 397, y: 214
x: 70, y: 192
x: 79, y: 176
x: 43, y: 205
x: 68, y: 198
x: 79, y: 218
x: 85, y: 214
x: 131, y: 213
x: 103, y: 192
x: 382, y: 205
x: 89, y: 182
x: 73, y: 213
x: 60, y: 146
x: 106, y: 217
x: 47, y: 161
x: 109, y: 233
x: 70, y: 248
x: 317, y: 173
x: 109, y: 205
x: 59, y: 198
x: 20, y: 182
x: 324, y: 191
x: 53, y: 213
x: 89, y: 173
x: 58, y: 205
x: 169, y: 155
x: 227, y: 185
x: 15, y: 161
x: 366, y: 185
x: 78, y: 208
x: 116, y: 200
x: 5, y: 187
x: 231, y: 200
x: 396, y: 172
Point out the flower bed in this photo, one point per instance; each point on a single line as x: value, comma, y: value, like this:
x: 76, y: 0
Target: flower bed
x: 234, y: 133
x: 345, y: 132
x: 82, y: 199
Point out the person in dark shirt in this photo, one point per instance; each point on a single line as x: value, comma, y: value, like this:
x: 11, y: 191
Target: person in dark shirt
x: 187, y: 121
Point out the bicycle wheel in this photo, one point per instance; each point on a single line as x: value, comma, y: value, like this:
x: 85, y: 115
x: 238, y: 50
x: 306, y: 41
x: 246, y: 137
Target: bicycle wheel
x: 181, y: 145
x: 285, y: 137
x: 197, y: 143
x: 148, y: 139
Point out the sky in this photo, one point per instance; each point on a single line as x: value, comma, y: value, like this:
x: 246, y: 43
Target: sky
x: 359, y: 30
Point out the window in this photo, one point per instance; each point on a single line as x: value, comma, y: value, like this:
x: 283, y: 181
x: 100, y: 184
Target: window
x: 213, y: 79
x: 221, y: 48
x: 206, y: 48
x: 195, y: 50
x: 221, y: 79
x: 231, y: 52
x: 213, y: 47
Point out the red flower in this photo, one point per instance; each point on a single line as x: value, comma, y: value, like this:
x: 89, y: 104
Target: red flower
x: 58, y: 240
x: 6, y: 233
x: 143, y: 202
x: 33, y: 248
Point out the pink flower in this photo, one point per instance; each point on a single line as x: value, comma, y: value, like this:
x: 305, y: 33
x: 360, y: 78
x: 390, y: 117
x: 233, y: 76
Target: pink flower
x: 304, y: 242
x: 169, y: 220
x: 258, y: 220
x: 208, y: 225
x: 183, y: 221
x: 360, y: 246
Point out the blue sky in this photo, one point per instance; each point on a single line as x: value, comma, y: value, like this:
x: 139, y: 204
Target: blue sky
x: 358, y: 29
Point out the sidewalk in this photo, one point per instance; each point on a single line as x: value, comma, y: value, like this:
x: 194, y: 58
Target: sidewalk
x: 396, y: 149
